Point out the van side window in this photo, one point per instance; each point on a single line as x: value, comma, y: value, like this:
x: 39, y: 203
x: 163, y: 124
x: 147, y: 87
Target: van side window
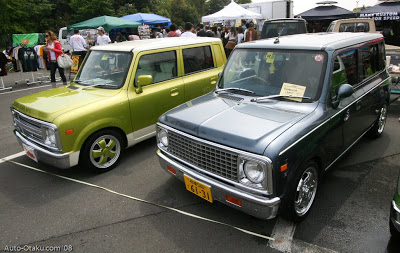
x: 339, y: 76
x: 369, y: 60
x: 161, y: 66
x: 197, y: 59
x: 349, y: 60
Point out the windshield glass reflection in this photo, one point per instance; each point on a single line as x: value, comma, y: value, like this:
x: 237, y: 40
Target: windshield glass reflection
x: 275, y: 72
x: 104, y: 69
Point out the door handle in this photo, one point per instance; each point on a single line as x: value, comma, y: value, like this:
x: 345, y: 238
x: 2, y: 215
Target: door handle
x: 213, y: 82
x: 358, y: 105
x: 174, y: 92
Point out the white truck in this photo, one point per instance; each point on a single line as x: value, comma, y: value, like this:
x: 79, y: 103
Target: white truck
x: 272, y: 9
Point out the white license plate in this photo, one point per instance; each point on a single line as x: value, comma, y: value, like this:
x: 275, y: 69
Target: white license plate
x: 30, y: 152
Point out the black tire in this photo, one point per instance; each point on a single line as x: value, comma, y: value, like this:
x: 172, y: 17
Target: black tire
x: 101, y: 151
x: 297, y: 203
x: 377, y: 130
x: 393, y: 231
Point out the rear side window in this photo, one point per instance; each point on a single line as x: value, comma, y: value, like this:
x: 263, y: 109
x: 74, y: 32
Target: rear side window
x: 354, y: 27
x: 348, y: 60
x: 197, y: 59
x: 370, y: 60
x: 161, y: 66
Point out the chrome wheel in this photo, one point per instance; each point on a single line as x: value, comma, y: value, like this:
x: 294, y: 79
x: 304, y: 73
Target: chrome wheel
x: 306, y: 190
x: 382, y: 119
x: 105, y: 151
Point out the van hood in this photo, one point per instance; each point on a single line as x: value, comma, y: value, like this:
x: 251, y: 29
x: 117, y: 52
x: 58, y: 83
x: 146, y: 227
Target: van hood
x: 49, y: 104
x: 243, y: 125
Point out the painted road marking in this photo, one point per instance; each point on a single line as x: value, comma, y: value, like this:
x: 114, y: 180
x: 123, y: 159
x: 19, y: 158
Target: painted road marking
x: 144, y: 201
x: 2, y: 160
x: 284, y: 230
x: 26, y: 89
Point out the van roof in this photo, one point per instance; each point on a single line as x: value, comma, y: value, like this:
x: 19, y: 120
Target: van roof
x: 151, y: 44
x: 313, y: 41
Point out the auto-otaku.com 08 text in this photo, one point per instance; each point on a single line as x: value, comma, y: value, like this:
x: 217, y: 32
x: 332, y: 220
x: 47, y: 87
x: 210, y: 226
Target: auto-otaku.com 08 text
x: 37, y: 248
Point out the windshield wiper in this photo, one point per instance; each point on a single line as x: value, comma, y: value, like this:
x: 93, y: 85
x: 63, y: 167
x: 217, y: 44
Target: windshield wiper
x: 279, y: 96
x: 81, y: 81
x: 99, y: 84
x: 234, y: 89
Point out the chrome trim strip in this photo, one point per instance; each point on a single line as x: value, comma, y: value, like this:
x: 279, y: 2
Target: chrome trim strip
x: 326, y: 121
x: 395, y: 207
x: 266, y: 160
x: 347, y: 149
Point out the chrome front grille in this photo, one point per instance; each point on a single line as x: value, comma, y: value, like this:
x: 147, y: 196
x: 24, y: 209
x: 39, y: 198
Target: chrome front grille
x: 28, y: 127
x: 206, y: 157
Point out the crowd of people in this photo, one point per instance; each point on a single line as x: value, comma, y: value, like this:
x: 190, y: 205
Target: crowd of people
x: 230, y: 36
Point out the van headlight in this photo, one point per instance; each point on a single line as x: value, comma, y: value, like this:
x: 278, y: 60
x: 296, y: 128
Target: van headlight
x: 254, y: 172
x: 49, y: 136
x: 162, y: 138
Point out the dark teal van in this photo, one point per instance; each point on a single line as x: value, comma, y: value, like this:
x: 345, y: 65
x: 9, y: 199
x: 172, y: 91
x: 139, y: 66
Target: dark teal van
x: 283, y: 112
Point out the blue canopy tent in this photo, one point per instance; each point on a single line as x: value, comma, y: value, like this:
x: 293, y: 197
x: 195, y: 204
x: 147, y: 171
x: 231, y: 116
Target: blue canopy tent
x: 151, y: 19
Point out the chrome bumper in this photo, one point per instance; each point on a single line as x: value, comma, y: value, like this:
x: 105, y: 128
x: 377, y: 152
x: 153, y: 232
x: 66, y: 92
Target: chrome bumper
x: 258, y: 206
x: 62, y: 161
x: 395, y: 215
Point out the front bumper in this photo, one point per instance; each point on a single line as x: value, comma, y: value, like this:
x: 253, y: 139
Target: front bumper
x: 258, y: 206
x: 395, y: 215
x: 62, y: 161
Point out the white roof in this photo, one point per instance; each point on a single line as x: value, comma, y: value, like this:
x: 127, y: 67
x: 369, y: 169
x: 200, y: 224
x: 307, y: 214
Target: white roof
x: 230, y: 12
x: 150, y: 44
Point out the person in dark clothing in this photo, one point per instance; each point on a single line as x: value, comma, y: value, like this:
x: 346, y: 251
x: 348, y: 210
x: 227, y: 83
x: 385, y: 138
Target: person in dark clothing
x: 201, y: 32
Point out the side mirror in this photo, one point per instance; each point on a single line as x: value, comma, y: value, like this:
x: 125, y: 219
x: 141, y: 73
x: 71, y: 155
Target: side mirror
x: 142, y: 81
x: 345, y: 90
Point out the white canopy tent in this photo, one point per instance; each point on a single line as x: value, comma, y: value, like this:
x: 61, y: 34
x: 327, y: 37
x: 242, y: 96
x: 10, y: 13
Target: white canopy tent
x: 230, y: 12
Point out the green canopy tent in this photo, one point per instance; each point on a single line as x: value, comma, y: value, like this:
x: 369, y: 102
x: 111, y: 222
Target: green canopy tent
x: 107, y: 22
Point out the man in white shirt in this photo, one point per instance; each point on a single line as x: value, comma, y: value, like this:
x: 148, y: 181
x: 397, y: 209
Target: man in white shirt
x: 78, y: 44
x: 189, y: 29
x: 102, y: 38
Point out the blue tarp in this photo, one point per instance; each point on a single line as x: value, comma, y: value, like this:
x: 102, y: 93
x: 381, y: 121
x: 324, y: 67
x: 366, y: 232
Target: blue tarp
x: 149, y: 19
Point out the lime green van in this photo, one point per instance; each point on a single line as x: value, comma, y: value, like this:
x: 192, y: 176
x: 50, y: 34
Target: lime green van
x: 115, y: 100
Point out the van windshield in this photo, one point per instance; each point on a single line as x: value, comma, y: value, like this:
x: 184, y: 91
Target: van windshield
x: 273, y: 28
x: 266, y: 72
x: 104, y: 69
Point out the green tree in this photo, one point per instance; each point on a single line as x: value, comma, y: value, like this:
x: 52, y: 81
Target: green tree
x: 126, y: 9
x: 181, y: 12
x: 84, y: 10
x: 213, y: 6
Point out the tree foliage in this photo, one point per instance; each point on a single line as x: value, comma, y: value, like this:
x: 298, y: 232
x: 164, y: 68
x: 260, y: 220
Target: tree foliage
x: 30, y: 16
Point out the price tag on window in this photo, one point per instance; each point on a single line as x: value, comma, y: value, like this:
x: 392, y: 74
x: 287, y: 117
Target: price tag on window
x: 293, y: 90
x: 270, y: 57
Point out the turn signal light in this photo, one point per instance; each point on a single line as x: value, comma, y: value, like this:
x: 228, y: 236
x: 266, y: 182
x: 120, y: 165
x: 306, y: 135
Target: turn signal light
x: 233, y: 200
x: 69, y: 131
x: 172, y: 170
x: 284, y: 167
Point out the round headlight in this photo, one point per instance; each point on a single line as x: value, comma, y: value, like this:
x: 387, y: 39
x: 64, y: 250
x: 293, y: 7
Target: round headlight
x: 254, y: 172
x: 163, y: 137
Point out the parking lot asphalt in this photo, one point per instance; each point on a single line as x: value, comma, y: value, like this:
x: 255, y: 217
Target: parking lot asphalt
x: 350, y: 214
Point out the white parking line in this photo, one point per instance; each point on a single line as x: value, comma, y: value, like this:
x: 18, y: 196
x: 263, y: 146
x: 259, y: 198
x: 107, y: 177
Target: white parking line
x: 144, y: 201
x: 284, y: 230
x: 2, y: 160
x: 26, y: 89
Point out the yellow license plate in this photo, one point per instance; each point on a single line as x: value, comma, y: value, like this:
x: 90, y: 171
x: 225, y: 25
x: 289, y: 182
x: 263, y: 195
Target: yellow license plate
x: 201, y: 190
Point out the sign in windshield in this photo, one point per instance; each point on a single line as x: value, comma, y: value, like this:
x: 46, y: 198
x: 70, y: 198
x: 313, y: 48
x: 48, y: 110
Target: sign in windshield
x: 275, y: 73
